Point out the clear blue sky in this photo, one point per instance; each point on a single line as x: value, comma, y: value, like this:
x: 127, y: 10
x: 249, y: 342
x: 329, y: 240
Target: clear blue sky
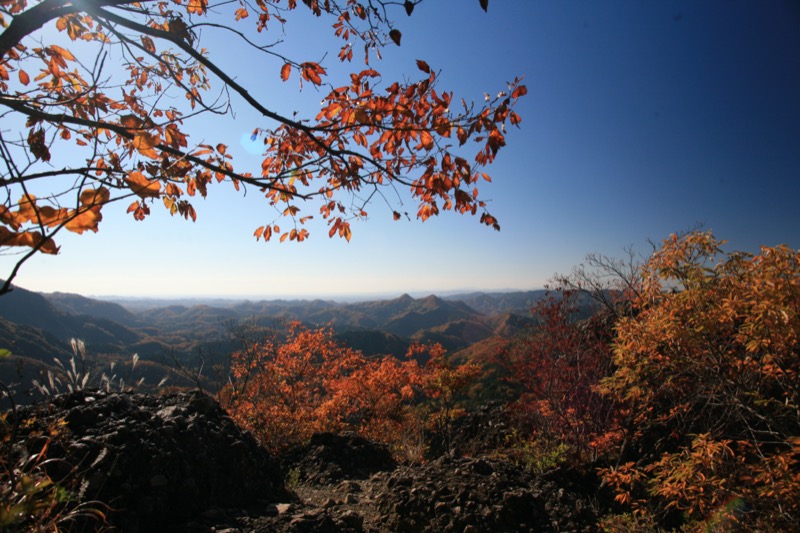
x: 642, y: 119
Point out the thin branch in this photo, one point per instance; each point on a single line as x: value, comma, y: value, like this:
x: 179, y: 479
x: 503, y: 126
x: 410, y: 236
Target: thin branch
x: 241, y: 91
x: 124, y: 132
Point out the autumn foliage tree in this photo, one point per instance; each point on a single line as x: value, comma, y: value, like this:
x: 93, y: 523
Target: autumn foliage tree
x: 556, y: 366
x: 707, y: 369
x: 444, y: 386
x: 118, y: 84
x: 284, y: 390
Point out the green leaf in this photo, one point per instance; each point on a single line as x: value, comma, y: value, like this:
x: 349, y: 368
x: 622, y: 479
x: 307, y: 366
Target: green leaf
x: 4, y: 353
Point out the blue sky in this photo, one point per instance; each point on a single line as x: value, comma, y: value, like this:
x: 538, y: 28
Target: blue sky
x: 642, y: 119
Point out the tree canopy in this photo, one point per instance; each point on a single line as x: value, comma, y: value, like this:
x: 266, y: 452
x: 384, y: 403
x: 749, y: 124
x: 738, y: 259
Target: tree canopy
x: 118, y: 84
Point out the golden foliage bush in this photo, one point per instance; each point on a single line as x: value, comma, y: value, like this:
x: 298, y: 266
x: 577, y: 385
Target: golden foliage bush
x: 707, y: 368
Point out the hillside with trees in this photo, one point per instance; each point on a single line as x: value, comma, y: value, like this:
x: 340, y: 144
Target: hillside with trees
x: 179, y: 337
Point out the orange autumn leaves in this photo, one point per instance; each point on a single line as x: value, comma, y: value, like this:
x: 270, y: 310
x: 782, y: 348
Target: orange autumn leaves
x: 285, y: 391
x: 367, y: 136
x: 84, y: 218
x: 309, y: 71
x: 128, y: 130
x: 687, y: 392
x: 706, y: 369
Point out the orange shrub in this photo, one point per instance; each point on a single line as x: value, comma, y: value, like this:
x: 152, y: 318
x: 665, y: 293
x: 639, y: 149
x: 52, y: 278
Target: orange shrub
x: 285, y: 392
x: 707, y: 366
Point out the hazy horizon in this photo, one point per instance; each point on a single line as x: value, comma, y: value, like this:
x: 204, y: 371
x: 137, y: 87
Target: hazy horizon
x: 332, y: 297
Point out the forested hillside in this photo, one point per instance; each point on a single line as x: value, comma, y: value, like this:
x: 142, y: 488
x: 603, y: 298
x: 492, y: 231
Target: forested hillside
x: 36, y: 328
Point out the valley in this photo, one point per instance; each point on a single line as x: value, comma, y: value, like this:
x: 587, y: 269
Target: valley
x: 176, y: 339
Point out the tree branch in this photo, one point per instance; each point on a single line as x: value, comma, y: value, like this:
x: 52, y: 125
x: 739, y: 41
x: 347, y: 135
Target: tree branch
x: 230, y: 82
x: 18, y: 106
x: 34, y: 18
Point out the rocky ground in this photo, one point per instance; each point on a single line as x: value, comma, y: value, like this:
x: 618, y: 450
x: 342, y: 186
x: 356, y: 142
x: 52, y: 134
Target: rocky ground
x: 178, y: 463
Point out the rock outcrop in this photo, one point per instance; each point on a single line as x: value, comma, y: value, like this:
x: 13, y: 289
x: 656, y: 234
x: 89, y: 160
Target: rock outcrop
x: 155, y: 461
x: 178, y: 463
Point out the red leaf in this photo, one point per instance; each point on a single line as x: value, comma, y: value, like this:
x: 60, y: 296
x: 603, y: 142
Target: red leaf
x: 148, y: 44
x: 312, y: 72
x: 145, y: 188
x: 395, y: 35
x: 485, y: 5
x: 426, y: 139
x: 423, y: 66
x: 145, y: 143
x: 63, y: 52
x: 409, y: 5
x: 130, y: 122
x: 197, y: 6
x: 285, y: 71
x: 36, y: 142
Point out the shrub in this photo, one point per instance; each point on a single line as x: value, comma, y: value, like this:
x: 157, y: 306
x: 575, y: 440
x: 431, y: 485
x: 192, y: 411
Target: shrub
x: 30, y: 500
x: 285, y: 391
x: 707, y: 369
x: 556, y: 366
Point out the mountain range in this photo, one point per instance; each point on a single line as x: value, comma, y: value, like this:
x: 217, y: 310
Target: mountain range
x: 36, y: 327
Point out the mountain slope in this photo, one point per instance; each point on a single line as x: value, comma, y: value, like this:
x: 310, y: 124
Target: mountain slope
x: 455, y: 334
x: 26, y: 308
x: 494, y: 303
x: 80, y: 305
x: 374, y: 327
x: 426, y: 313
